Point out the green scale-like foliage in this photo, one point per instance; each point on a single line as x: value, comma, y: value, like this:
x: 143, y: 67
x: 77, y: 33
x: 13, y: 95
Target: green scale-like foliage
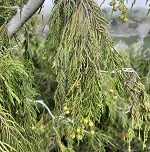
x: 100, y: 105
x: 9, y: 8
x: 17, y: 114
x: 79, y: 59
x: 94, y: 90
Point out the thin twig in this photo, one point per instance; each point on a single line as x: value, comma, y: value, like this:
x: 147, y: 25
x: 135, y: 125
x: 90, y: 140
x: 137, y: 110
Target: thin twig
x: 11, y: 7
x: 42, y: 17
x: 102, y: 3
x: 129, y: 70
x: 44, y: 105
x: 52, y: 145
x: 1, y: 118
x: 62, y: 116
x: 117, y: 45
x: 74, y: 4
x: 86, y: 9
x: 127, y: 111
x: 3, y: 78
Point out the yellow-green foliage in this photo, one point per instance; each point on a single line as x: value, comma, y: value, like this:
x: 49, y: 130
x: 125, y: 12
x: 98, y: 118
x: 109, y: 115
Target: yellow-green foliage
x: 94, y: 87
x: 9, y: 8
x: 17, y: 115
x: 99, y: 103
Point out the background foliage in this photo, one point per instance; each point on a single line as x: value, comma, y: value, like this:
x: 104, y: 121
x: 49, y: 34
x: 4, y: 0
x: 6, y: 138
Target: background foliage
x: 98, y: 102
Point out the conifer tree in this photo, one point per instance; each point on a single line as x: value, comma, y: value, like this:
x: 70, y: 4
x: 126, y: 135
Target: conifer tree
x: 99, y: 104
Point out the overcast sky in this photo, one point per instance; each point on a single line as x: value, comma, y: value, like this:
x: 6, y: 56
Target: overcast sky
x: 139, y: 3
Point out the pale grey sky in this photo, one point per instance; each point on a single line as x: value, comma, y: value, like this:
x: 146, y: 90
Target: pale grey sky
x: 139, y: 3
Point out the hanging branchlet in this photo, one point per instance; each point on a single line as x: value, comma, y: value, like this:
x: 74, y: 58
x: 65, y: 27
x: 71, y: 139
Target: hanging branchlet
x: 96, y: 99
x: 84, y: 50
x: 119, y: 5
x: 16, y: 115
